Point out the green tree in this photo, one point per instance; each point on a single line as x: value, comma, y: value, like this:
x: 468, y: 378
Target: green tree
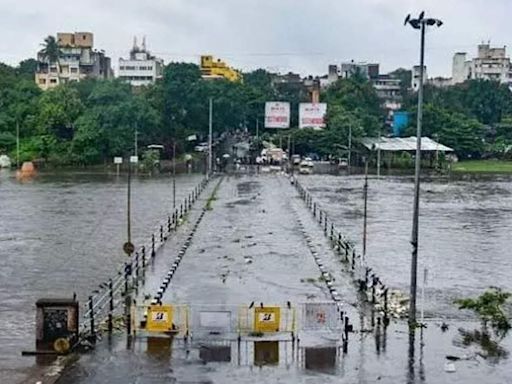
x: 51, y: 50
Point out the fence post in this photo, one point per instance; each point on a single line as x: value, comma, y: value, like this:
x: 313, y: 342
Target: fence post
x: 143, y: 253
x: 127, y: 298
x: 314, y: 209
x: 153, y: 245
x: 91, y: 314
x: 325, y: 224
x: 181, y: 210
x: 332, y: 231
x: 111, y: 305
x: 161, y: 233
x: 168, y: 224
x: 320, y: 216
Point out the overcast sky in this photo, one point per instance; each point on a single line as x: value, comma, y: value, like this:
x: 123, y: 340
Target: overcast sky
x: 280, y: 35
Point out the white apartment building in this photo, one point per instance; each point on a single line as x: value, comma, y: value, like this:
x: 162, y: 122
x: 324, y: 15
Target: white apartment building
x: 141, y: 68
x: 490, y: 64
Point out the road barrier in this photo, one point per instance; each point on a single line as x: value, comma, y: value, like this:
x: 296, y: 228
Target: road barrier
x: 210, y: 322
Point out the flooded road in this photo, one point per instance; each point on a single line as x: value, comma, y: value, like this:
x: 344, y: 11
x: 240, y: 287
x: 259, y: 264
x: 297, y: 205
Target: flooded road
x: 465, y: 228
x: 62, y: 233
x: 262, y: 219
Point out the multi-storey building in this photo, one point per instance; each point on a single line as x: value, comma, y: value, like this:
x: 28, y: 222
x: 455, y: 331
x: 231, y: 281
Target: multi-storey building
x: 490, y: 64
x: 368, y: 70
x: 215, y: 69
x: 77, y: 60
x: 141, y: 68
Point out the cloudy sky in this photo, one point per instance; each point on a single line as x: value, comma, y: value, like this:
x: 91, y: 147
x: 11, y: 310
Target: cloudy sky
x: 280, y: 35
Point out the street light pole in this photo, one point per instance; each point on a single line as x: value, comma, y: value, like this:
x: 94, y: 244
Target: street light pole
x: 349, y: 147
x: 420, y: 23
x: 210, y: 129
x: 174, y: 174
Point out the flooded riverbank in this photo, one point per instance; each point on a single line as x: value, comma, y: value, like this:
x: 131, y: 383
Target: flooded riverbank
x: 465, y: 227
x: 62, y: 233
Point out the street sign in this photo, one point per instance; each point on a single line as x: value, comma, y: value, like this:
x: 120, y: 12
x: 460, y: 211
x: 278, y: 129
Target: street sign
x: 134, y: 159
x: 118, y: 160
x: 159, y: 318
x: 128, y: 248
x: 267, y: 319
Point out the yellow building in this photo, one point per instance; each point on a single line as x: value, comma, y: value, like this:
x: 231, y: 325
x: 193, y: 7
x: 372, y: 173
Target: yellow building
x: 211, y: 69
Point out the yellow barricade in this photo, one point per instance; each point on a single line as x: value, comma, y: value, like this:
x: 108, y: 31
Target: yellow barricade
x: 159, y: 318
x: 267, y: 319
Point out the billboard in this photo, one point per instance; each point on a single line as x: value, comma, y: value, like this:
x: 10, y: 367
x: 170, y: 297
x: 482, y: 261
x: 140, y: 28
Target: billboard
x: 312, y: 115
x: 277, y: 114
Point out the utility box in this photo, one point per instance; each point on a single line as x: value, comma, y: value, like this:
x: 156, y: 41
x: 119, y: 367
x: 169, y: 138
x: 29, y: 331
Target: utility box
x: 56, y: 324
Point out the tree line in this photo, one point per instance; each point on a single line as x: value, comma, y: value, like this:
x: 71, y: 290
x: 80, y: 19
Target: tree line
x: 91, y: 121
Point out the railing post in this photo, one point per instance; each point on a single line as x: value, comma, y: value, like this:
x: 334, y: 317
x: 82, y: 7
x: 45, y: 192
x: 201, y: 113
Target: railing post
x: 314, y: 209
x: 153, y: 245
x: 143, y: 253
x: 127, y: 298
x: 181, y: 210
x: 161, y: 233
x: 110, y: 305
x: 168, y: 224
x: 91, y: 314
x: 325, y: 224
x: 386, y: 303
x: 332, y: 231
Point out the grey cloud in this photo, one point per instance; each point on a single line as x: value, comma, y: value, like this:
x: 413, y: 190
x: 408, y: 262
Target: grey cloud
x: 299, y: 35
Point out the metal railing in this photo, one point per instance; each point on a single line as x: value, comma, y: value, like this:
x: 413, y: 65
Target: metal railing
x: 105, y: 303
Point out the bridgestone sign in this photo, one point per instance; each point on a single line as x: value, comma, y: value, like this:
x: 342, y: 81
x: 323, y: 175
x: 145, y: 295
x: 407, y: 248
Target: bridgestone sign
x: 312, y: 115
x: 277, y: 114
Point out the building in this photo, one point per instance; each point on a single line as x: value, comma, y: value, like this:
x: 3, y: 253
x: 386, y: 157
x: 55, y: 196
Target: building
x: 370, y: 71
x: 141, y: 68
x: 389, y: 90
x: 77, y: 60
x: 490, y: 64
x: 211, y: 69
x: 415, y: 78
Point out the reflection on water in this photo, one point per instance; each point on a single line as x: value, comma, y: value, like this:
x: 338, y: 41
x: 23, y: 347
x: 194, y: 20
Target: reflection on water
x: 321, y: 359
x: 266, y: 353
x: 215, y: 353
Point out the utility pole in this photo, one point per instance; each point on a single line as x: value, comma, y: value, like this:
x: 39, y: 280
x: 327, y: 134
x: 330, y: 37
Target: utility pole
x: 349, y: 148
x: 420, y: 23
x: 378, y: 155
x: 210, y: 132
x: 174, y: 173
x: 136, y: 143
x: 365, y: 219
x: 17, y: 144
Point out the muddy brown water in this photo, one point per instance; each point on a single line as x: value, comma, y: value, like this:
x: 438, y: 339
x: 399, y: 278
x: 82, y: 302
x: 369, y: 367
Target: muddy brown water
x: 62, y: 233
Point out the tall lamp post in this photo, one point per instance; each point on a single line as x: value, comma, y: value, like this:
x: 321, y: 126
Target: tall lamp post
x: 420, y: 23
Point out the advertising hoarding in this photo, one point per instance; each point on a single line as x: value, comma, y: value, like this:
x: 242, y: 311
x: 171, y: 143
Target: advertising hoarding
x: 277, y: 114
x: 312, y: 115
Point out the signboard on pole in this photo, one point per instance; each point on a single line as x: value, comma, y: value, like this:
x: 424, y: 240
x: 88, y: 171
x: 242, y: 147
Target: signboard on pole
x: 277, y: 114
x: 312, y: 115
x: 118, y: 160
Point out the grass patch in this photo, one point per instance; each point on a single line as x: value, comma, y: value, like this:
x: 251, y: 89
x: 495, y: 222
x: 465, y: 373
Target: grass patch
x: 483, y: 166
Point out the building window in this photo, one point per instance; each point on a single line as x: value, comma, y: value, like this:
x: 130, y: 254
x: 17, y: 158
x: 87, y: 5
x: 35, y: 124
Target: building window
x: 74, y: 70
x: 53, y: 81
x: 121, y: 68
x: 42, y: 81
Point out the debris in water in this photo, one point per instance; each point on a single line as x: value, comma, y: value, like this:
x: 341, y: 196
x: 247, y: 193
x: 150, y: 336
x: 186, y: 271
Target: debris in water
x: 449, y: 367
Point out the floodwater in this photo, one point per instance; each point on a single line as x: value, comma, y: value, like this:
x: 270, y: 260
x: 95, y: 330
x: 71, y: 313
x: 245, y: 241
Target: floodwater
x: 257, y: 244
x: 62, y: 233
x: 465, y: 227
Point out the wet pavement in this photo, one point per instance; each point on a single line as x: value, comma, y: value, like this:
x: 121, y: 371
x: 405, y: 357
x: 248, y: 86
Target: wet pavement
x: 257, y: 244
x: 62, y: 233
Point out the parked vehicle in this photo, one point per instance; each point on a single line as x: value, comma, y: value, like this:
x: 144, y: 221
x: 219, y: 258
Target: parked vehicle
x: 306, y: 166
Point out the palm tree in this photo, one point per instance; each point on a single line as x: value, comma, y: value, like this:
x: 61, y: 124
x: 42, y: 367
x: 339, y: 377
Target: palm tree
x: 51, y: 50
